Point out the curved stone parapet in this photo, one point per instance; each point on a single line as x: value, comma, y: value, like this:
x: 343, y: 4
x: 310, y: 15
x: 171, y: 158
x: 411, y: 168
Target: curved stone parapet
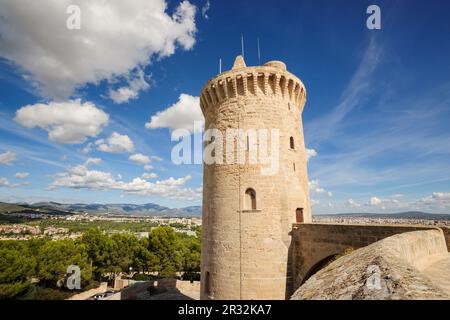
x: 419, y: 249
x: 315, y: 244
x: 392, y: 268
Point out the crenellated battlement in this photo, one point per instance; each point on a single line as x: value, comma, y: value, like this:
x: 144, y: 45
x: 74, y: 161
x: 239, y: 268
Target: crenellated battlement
x: 271, y: 79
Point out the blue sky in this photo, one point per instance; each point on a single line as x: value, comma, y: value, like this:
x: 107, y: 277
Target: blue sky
x: 376, y: 117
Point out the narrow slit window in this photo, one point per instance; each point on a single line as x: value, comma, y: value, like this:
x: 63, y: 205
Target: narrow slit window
x: 207, y: 284
x: 291, y: 142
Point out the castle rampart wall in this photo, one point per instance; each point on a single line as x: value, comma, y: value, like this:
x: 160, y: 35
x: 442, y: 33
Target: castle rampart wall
x: 411, y: 265
x: 313, y: 243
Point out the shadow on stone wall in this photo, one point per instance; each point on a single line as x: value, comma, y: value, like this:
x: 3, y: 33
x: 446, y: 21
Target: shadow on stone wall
x: 162, y: 289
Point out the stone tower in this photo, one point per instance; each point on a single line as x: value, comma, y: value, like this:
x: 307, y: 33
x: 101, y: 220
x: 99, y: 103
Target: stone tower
x: 247, y: 215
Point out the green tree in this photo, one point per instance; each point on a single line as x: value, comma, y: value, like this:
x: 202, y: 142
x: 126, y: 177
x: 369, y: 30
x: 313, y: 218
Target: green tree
x: 191, y: 256
x: 55, y: 257
x: 16, y: 269
x: 101, y: 251
x: 126, y: 246
x: 165, y: 244
x: 144, y: 259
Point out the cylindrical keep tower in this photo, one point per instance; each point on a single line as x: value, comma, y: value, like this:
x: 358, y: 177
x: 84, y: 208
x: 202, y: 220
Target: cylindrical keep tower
x: 247, y: 215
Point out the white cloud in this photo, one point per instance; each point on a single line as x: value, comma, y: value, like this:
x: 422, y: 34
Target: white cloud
x: 170, y: 188
x: 116, y: 143
x: 315, y: 187
x: 130, y: 92
x: 95, y: 161
x: 123, y: 95
x: 310, y: 153
x: 319, y: 196
x: 375, y: 201
x: 115, y: 39
x: 353, y: 204
x: 22, y: 175
x: 180, y: 115
x: 80, y: 177
x: 438, y: 202
x: 68, y: 122
x: 87, y: 148
x: 7, y: 158
x: 144, y: 160
x: 139, y: 158
x: 172, y: 182
x: 436, y: 198
x: 150, y: 175
x: 205, y: 9
x: 4, y: 182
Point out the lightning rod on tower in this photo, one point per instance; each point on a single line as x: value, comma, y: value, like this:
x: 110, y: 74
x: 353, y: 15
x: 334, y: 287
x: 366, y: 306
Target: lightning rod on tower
x: 259, y: 54
x: 242, y: 45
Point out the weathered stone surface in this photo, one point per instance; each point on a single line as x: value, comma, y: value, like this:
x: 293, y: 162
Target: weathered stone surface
x: 388, y: 269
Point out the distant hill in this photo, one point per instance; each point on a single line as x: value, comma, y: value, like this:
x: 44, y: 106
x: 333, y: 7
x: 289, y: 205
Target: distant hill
x: 11, y: 207
x: 399, y: 215
x: 6, y: 208
x: 152, y: 209
x: 148, y: 209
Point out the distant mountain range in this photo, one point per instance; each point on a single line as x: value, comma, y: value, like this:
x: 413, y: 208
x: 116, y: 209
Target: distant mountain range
x: 398, y: 215
x: 152, y: 209
x: 148, y: 209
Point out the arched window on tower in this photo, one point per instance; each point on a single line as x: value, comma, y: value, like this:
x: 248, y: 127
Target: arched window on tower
x: 250, y: 199
x: 291, y: 142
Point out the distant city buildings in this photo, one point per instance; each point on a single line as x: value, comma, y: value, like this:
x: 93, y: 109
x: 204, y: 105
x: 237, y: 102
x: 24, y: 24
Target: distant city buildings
x: 25, y: 232
x: 383, y: 220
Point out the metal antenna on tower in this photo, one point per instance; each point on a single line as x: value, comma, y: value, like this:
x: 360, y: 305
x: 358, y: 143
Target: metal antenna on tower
x: 220, y: 65
x: 242, y: 45
x: 259, y: 54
